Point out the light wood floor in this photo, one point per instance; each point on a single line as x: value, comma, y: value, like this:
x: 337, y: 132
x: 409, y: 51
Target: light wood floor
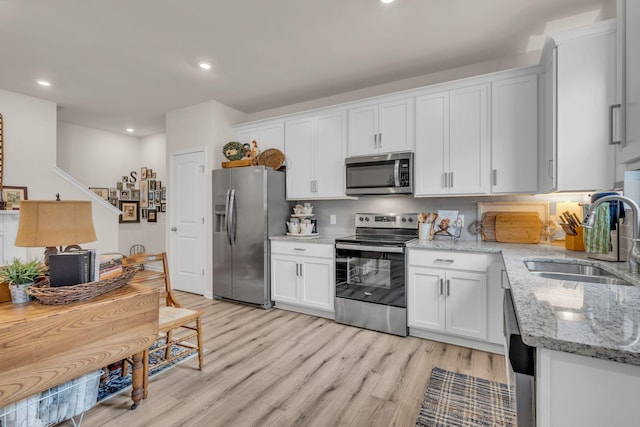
x: 279, y: 368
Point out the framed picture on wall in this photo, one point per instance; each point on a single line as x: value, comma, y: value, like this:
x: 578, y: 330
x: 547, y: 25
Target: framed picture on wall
x: 143, y: 173
x: 152, y: 215
x: 152, y: 185
x: 152, y: 202
x: 143, y: 213
x: 164, y: 194
x: 144, y: 194
x: 158, y: 196
x: 135, y: 194
x: 102, y: 192
x: 130, y: 211
x: 13, y: 196
x: 163, y: 207
x: 113, y: 193
x: 125, y: 194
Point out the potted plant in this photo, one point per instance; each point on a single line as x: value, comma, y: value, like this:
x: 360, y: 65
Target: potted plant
x: 20, y: 275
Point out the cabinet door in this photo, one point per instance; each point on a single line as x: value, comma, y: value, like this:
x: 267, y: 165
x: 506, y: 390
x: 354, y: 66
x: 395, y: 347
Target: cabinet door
x: 299, y: 151
x: 426, y: 299
x: 548, y: 165
x: 632, y: 80
x: 330, y: 151
x: 432, y: 144
x: 468, y: 141
x: 318, y: 283
x: 586, y: 89
x: 396, y: 126
x: 271, y: 136
x: 514, y: 135
x: 245, y: 134
x: 363, y: 127
x: 466, y: 304
x: 284, y: 278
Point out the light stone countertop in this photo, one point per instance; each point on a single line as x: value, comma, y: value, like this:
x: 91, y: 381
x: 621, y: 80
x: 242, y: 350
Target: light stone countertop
x: 590, y: 319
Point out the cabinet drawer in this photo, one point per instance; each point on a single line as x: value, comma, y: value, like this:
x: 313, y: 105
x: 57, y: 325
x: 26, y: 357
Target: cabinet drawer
x: 301, y: 248
x: 457, y: 260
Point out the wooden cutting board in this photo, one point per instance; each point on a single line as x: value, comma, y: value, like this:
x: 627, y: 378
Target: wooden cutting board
x: 518, y: 227
x: 488, y: 223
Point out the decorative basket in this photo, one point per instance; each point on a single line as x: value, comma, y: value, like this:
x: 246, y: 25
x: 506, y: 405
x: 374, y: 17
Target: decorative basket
x: 272, y: 158
x: 85, y: 291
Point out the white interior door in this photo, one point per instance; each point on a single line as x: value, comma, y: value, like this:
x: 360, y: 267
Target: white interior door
x: 187, y: 229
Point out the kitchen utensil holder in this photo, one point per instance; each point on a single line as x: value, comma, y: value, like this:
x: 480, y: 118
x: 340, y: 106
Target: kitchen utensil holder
x: 575, y: 243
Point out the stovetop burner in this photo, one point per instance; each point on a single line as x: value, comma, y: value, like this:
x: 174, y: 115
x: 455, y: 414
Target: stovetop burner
x: 383, y: 229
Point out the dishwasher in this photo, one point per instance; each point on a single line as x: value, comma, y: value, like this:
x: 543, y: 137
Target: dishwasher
x: 520, y: 361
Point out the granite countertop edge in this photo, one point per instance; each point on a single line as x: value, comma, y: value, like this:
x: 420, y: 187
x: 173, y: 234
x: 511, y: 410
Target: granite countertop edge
x: 537, y: 299
x: 327, y: 239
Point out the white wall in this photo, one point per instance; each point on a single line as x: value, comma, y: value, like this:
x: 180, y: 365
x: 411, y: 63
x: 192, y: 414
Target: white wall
x: 30, y: 157
x: 95, y: 157
x: 203, y: 125
x: 100, y: 158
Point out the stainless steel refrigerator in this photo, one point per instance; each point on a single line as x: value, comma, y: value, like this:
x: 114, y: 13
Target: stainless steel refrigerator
x: 248, y: 206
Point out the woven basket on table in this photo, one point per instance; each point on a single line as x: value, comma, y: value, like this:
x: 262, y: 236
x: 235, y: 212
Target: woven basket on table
x: 85, y: 291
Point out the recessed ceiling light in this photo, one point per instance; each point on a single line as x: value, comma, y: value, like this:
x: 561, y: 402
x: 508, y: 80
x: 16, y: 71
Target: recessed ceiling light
x: 386, y: 1
x: 44, y: 83
x: 130, y: 130
x: 204, y: 65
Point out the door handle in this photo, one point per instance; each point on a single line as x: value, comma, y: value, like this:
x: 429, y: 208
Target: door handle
x: 611, y: 138
x: 448, y: 288
x: 226, y: 216
x: 380, y: 140
x: 451, y: 179
x: 301, y: 272
x: 375, y: 140
x: 445, y: 180
x: 494, y: 177
x: 174, y: 228
x: 232, y: 214
x: 441, y: 286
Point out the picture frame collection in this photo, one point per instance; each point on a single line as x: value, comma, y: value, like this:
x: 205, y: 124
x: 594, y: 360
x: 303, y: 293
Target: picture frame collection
x: 138, y: 199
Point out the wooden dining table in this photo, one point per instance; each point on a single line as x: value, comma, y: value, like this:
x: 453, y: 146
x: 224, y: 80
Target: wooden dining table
x: 42, y: 346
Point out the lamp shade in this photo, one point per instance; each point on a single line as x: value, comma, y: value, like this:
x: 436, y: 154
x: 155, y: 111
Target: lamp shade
x: 45, y: 223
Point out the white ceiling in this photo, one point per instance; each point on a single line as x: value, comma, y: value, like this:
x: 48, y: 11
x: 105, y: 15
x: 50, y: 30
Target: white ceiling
x: 124, y: 63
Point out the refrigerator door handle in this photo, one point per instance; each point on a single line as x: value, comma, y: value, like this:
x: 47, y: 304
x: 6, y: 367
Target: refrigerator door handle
x: 226, y: 216
x: 232, y: 214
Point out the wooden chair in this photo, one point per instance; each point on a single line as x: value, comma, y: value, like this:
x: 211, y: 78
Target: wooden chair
x: 177, y: 325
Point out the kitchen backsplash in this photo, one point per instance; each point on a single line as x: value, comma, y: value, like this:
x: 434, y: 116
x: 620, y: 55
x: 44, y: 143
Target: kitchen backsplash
x: 345, y: 210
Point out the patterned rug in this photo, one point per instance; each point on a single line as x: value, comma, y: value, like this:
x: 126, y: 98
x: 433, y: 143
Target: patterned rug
x: 117, y: 383
x: 459, y: 400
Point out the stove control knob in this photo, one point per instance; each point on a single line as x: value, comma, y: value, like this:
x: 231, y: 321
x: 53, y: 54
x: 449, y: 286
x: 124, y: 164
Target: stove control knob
x: 367, y: 219
x: 410, y: 219
x: 361, y: 219
x: 404, y: 219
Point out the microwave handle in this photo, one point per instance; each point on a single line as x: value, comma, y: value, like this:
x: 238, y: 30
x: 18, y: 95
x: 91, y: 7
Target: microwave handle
x: 396, y: 173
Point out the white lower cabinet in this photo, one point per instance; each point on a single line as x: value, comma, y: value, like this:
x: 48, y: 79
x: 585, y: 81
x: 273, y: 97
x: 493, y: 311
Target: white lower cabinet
x: 451, y: 298
x: 303, y: 277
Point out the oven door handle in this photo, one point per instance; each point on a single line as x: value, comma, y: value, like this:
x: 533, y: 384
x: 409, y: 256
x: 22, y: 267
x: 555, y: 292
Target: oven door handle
x: 396, y: 173
x: 387, y: 249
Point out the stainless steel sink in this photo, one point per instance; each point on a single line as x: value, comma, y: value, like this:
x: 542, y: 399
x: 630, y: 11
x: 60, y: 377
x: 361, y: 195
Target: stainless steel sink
x: 573, y: 272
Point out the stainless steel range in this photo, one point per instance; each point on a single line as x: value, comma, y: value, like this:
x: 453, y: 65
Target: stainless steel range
x: 371, y: 273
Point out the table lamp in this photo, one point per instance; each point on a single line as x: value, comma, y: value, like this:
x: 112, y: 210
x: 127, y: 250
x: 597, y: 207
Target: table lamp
x: 51, y: 224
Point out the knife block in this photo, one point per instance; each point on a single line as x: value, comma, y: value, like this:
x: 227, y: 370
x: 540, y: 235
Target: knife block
x: 575, y: 243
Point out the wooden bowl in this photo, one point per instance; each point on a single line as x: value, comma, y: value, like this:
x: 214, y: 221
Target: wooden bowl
x: 271, y: 157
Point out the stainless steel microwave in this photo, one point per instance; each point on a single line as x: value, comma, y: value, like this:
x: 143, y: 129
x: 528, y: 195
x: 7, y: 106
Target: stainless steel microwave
x: 382, y: 174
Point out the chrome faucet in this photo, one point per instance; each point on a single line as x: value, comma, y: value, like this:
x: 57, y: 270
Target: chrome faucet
x: 634, y: 253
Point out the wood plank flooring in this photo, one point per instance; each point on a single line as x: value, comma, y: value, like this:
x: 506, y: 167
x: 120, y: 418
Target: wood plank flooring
x: 279, y: 368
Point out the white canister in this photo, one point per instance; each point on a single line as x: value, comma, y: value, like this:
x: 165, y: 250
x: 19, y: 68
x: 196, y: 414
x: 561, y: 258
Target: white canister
x: 423, y: 231
x: 293, y: 227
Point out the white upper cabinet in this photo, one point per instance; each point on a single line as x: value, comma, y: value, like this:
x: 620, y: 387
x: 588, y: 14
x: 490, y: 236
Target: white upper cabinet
x: 514, y: 135
x: 267, y: 135
x: 315, y: 148
x: 382, y: 128
x: 585, y: 92
x: 629, y: 21
x: 452, y: 144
